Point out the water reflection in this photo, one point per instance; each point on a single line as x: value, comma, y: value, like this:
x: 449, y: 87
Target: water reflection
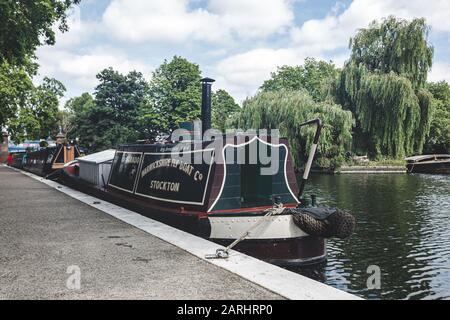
x: 403, y: 227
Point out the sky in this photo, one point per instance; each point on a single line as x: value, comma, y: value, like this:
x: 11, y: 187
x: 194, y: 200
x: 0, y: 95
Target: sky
x: 237, y: 42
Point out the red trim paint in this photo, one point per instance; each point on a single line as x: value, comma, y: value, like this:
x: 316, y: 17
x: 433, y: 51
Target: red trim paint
x: 254, y: 209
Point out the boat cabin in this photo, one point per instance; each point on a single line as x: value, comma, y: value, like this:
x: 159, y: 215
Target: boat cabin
x: 214, y: 176
x: 49, y: 159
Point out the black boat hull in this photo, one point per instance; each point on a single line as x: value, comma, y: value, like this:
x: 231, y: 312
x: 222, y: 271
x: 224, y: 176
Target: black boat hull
x: 435, y: 168
x: 283, y: 252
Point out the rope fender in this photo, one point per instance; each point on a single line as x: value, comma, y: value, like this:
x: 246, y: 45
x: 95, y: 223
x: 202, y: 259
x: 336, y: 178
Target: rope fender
x: 338, y: 223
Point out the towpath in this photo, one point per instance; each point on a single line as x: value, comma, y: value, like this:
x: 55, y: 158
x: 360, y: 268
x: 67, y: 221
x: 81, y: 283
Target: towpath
x: 53, y: 246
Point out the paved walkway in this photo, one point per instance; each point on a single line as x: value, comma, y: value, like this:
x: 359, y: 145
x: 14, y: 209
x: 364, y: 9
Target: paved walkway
x: 43, y: 232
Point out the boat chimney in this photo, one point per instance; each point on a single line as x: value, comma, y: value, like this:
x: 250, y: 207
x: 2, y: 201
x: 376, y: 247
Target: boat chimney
x: 206, y: 103
x: 60, y: 137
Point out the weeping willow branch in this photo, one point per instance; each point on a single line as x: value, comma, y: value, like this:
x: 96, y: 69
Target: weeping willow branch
x: 285, y: 110
x: 395, y: 45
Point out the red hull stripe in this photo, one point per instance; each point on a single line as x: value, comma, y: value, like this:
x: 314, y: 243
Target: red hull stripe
x: 254, y: 209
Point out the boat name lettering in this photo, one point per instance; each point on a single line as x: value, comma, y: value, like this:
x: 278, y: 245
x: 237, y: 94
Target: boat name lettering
x: 174, y: 163
x: 132, y: 159
x: 165, y: 185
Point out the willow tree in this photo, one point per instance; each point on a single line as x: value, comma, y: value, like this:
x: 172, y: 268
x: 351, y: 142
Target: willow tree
x: 383, y: 84
x: 286, y: 110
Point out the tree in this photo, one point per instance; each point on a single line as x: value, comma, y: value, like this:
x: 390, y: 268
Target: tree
x: 75, y: 115
x: 174, y: 97
x: 15, y: 88
x: 38, y: 118
x: 25, y: 25
x: 112, y: 117
x: 383, y: 84
x: 285, y: 110
x: 397, y: 46
x: 439, y: 139
x: 223, y: 107
x: 79, y: 105
x: 317, y: 77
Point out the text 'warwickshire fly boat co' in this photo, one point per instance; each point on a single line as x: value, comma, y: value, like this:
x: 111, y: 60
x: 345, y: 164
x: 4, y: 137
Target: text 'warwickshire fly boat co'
x: 238, y: 190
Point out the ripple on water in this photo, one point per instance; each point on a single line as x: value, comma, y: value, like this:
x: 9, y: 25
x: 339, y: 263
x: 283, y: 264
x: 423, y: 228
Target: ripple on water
x: 403, y: 226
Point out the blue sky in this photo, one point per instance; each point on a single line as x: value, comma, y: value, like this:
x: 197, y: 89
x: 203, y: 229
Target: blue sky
x: 237, y: 42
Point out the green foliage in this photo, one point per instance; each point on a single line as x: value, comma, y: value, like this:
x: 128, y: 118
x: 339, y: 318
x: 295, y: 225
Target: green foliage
x: 383, y: 85
x: 387, y: 162
x: 223, y: 107
x: 15, y: 88
x: 127, y: 108
x: 81, y: 104
x: 112, y: 118
x: 75, y: 114
x: 25, y: 25
x: 38, y: 117
x: 174, y: 97
x: 121, y: 95
x: 29, y: 112
x: 285, y: 110
x: 317, y: 77
x: 438, y: 140
x: 395, y: 45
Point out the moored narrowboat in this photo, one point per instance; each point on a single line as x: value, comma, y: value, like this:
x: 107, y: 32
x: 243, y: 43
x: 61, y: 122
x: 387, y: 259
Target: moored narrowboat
x: 48, y: 160
x: 435, y: 163
x: 17, y: 160
x: 238, y: 189
x: 219, y: 199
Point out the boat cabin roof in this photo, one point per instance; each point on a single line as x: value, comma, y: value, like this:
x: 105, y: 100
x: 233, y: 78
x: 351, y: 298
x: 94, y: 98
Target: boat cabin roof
x: 428, y: 157
x: 99, y: 157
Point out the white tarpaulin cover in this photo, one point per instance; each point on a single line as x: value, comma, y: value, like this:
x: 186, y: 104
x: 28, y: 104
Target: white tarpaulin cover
x: 99, y: 157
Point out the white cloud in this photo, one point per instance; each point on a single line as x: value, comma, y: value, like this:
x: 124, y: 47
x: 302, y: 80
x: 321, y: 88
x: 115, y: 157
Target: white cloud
x: 242, y: 74
x: 253, y: 18
x: 328, y: 38
x: 168, y: 20
x: 335, y: 29
x: 440, y: 71
x: 78, y: 71
x: 173, y: 21
x: 79, y: 30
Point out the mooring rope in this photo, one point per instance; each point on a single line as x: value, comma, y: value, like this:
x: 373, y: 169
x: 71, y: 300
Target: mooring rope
x: 224, y: 253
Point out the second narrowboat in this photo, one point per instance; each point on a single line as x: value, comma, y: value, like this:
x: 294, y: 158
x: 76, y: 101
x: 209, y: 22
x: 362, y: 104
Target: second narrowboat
x: 435, y: 163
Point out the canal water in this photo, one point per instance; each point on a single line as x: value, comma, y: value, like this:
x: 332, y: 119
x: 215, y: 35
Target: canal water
x: 403, y: 228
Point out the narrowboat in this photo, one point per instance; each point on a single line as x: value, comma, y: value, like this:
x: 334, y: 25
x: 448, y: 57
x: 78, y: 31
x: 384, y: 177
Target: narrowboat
x: 17, y: 159
x: 48, y: 160
x: 237, y: 189
x: 435, y: 163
